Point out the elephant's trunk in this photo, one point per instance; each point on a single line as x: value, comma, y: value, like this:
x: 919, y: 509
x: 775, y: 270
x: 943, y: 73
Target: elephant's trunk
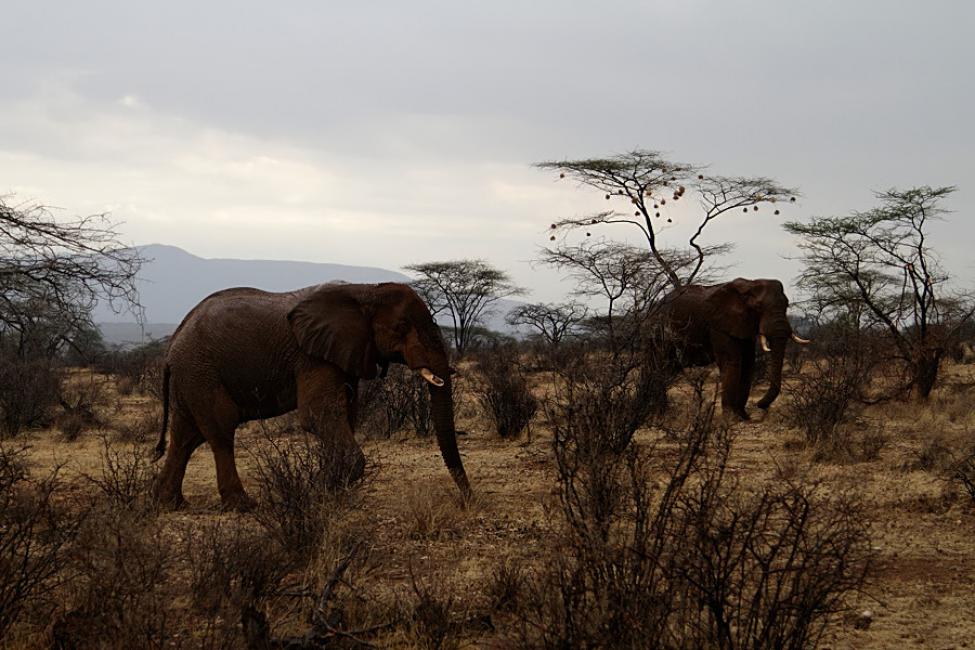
x: 442, y: 412
x: 777, y: 353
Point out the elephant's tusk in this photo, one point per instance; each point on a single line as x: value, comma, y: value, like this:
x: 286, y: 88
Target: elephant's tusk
x: 800, y: 341
x: 430, y: 377
x: 764, y: 342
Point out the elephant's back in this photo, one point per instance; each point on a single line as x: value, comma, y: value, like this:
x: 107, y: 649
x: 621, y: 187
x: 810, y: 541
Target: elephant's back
x: 233, y: 303
x: 239, y: 339
x: 232, y: 320
x: 686, y: 313
x: 685, y: 302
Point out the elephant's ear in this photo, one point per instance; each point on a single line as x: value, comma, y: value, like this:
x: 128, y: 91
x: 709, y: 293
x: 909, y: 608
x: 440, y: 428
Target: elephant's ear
x: 728, y: 310
x: 330, y: 324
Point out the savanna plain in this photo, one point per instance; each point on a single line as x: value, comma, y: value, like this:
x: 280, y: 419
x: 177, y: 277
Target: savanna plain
x: 862, y: 543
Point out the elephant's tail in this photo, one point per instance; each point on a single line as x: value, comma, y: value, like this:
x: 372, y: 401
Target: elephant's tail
x: 161, y: 445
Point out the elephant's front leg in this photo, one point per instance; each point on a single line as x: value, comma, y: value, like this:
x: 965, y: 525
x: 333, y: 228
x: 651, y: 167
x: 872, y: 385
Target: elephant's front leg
x: 747, y: 375
x: 326, y: 407
x: 732, y: 377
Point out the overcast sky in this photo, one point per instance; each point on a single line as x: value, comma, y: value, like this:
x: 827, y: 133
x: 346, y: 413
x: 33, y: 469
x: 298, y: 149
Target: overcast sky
x: 386, y: 133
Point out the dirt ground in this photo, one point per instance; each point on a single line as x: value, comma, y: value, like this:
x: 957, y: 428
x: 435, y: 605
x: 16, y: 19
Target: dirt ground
x: 922, y: 592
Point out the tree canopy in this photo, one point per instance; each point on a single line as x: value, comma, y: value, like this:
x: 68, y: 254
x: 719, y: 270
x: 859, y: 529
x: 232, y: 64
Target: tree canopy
x: 53, y: 271
x: 647, y: 181
x: 878, y: 268
x: 465, y: 289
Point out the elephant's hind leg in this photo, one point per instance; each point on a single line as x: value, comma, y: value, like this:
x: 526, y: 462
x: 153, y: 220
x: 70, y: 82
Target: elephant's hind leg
x: 218, y: 426
x: 184, y: 438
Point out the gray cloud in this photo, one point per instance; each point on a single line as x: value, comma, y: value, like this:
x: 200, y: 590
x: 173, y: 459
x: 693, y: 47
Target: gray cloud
x: 386, y: 133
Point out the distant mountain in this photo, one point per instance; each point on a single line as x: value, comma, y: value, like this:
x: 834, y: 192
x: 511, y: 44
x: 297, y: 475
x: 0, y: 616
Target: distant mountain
x: 172, y: 281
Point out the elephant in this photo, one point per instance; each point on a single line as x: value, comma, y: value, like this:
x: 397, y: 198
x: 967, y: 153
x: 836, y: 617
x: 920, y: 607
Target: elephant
x: 965, y: 352
x: 244, y: 354
x: 721, y: 323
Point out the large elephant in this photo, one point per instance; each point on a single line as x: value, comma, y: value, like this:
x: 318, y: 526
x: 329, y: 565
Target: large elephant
x: 721, y: 323
x: 245, y: 354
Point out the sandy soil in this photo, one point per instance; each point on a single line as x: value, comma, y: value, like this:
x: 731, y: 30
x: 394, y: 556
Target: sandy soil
x: 922, y: 593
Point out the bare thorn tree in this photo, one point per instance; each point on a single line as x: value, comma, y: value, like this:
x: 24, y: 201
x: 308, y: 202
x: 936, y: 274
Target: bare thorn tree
x: 61, y: 267
x: 465, y: 289
x: 552, y: 322
x: 877, y: 269
x: 648, y: 181
x: 628, y: 280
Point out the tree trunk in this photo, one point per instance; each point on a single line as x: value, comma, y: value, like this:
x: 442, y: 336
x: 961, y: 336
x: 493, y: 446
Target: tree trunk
x: 924, y: 372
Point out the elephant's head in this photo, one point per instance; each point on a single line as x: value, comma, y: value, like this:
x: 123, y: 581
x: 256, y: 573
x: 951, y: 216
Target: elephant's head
x: 750, y: 309
x: 363, y: 327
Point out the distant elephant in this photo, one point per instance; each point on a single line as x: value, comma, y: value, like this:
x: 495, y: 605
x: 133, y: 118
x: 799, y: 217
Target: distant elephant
x: 721, y: 323
x: 966, y: 352
x: 245, y: 354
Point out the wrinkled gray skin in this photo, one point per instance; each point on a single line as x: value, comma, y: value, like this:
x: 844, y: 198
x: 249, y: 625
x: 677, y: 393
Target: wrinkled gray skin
x: 244, y: 354
x: 721, y: 324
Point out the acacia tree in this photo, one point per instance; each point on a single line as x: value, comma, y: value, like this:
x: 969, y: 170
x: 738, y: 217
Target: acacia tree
x: 465, y: 289
x: 624, y: 278
x: 627, y: 280
x: 652, y: 185
x: 877, y: 270
x: 53, y: 271
x: 553, y: 322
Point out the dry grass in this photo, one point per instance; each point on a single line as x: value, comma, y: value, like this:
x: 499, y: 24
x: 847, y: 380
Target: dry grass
x: 428, y: 573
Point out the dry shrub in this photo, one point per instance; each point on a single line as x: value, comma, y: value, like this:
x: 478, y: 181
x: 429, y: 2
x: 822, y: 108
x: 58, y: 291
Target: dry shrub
x: 136, y: 370
x: 824, y: 397
x: 138, y: 429
x: 332, y: 609
x: 431, y: 513
x: 36, y: 531
x: 953, y: 462
x: 81, y: 397
x: 29, y: 391
x: 398, y: 401
x: 962, y: 473
x: 234, y: 568
x: 870, y: 444
x: 302, y: 481
x: 934, y: 455
x: 503, y: 391
x: 126, y: 477
x: 435, y: 624
x: 72, y: 425
x: 506, y: 585
x: 600, y: 399
x: 125, y: 385
x: 950, y: 405
x: 831, y: 391
x: 851, y: 445
x: 664, y: 548
x: 121, y: 592
x: 151, y: 382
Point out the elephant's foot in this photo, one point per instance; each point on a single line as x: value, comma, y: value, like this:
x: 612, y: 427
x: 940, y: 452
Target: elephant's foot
x: 172, y: 502
x: 347, y: 470
x: 237, y: 502
x: 734, y: 415
x: 169, y: 498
